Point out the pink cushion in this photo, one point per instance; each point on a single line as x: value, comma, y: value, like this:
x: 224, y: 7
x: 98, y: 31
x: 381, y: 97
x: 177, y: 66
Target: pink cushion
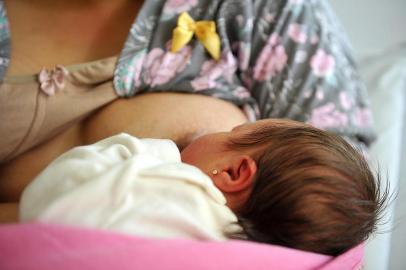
x: 39, y: 246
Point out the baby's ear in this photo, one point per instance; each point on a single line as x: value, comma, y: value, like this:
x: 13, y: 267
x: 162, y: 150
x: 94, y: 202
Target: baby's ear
x: 238, y: 175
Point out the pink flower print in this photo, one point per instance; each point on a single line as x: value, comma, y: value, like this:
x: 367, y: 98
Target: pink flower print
x: 212, y: 70
x: 247, y: 80
x: 228, y: 65
x: 161, y: 67
x: 271, y: 61
x: 178, y: 6
x: 314, y: 39
x: 152, y: 64
x: 207, y: 77
x: 322, y: 63
x: 295, y: 32
x: 327, y: 116
x: 345, y: 100
x: 53, y: 80
x: 134, y: 72
x: 363, y: 117
x: 241, y: 92
x: 274, y: 39
x: 137, y: 71
x: 202, y: 84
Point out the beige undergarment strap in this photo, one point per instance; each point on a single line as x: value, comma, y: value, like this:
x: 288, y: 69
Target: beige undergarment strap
x: 28, y: 116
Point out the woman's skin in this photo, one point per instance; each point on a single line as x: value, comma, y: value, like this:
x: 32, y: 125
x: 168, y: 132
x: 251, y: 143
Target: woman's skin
x: 155, y: 115
x: 45, y: 33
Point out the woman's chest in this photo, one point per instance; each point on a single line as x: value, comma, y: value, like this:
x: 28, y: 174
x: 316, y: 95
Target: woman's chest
x: 46, y: 33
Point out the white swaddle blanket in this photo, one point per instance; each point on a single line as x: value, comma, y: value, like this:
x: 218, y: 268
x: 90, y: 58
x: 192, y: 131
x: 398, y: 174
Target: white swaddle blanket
x: 129, y: 185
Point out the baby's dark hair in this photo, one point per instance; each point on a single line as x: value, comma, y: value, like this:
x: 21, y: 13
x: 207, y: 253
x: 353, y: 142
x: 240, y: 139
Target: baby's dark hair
x: 313, y: 191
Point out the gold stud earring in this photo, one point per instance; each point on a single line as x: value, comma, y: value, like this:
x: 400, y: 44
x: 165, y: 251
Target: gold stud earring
x: 215, y: 172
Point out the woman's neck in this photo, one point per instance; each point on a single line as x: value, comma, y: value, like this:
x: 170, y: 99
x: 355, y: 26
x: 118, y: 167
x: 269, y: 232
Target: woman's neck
x: 49, y: 32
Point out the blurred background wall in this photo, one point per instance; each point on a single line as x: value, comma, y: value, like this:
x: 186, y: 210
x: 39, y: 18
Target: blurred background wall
x: 377, y: 30
x: 372, y: 25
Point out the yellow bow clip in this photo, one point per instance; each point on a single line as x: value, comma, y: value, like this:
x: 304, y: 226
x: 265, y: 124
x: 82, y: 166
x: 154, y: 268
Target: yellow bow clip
x: 204, y: 30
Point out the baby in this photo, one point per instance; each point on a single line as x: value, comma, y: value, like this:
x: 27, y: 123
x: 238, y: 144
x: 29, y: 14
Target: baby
x: 273, y: 181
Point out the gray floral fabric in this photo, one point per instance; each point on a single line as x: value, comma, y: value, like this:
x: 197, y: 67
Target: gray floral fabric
x: 279, y: 59
x: 4, y: 41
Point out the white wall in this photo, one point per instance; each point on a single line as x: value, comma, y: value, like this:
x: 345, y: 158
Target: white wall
x: 398, y: 244
x: 375, y: 26
x: 372, y: 25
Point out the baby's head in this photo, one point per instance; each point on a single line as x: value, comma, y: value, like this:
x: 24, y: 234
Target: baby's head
x: 291, y: 184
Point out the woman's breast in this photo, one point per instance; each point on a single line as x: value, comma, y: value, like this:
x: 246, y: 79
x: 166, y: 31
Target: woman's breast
x: 179, y: 117
x: 169, y: 115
